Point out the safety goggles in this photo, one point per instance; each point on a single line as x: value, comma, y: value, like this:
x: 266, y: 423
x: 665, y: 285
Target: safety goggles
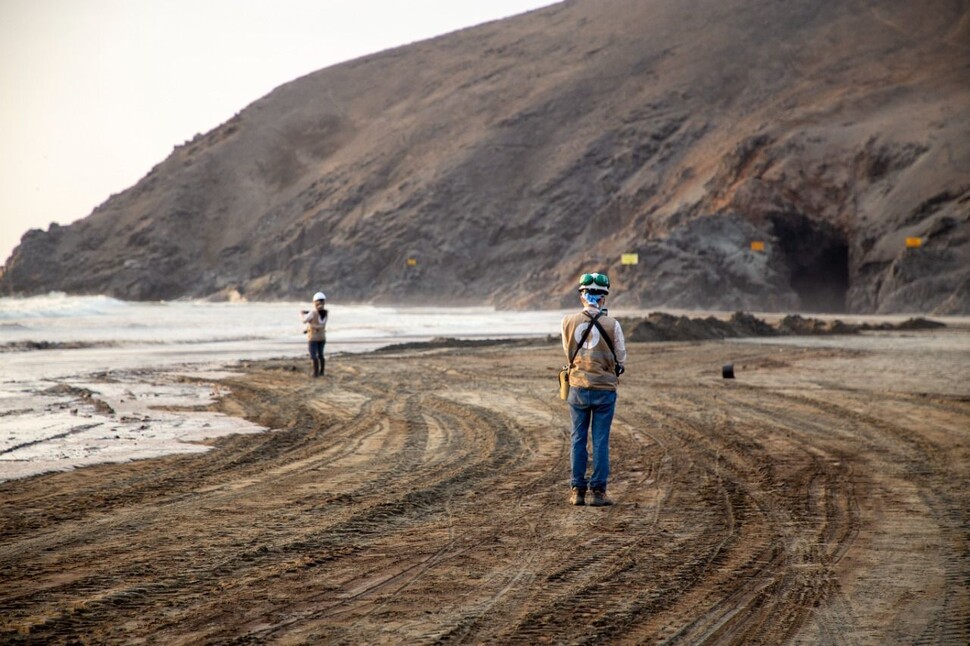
x: 600, y: 280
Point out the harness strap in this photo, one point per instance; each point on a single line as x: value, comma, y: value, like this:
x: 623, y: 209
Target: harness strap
x: 606, y: 337
x: 585, y: 336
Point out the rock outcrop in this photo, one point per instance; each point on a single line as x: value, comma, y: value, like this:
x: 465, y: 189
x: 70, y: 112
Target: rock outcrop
x: 494, y: 164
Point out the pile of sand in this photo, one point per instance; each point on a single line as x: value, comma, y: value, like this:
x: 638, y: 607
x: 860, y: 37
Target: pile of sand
x: 659, y: 326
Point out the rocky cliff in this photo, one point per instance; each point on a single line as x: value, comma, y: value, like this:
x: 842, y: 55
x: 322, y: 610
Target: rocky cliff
x: 495, y: 164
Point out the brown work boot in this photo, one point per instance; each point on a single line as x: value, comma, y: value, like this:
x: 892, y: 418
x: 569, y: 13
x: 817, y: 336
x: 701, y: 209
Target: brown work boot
x: 578, y: 496
x: 600, y: 499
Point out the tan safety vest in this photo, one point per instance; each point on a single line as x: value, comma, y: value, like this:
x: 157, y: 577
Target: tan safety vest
x: 594, y: 366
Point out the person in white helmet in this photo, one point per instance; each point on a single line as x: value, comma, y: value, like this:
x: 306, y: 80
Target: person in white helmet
x: 316, y: 331
x: 594, y: 346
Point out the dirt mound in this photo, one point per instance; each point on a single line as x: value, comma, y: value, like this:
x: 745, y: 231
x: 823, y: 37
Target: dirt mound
x: 660, y: 326
x: 451, y: 342
x: 666, y: 327
x: 810, y: 155
x: 919, y: 324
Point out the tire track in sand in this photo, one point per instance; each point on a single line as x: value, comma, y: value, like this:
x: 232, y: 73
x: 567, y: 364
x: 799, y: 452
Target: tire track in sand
x: 390, y: 509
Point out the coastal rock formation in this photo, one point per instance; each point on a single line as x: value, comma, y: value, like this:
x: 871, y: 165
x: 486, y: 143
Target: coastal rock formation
x: 494, y: 164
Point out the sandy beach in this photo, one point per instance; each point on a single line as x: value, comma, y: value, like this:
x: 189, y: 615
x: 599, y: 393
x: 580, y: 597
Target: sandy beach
x: 420, y: 496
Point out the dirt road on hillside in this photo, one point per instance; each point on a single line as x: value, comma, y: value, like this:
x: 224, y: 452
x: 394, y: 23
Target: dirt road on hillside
x: 420, y: 497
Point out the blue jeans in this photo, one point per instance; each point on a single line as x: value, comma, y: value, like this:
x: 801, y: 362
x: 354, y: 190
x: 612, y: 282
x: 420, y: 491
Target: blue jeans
x: 591, y: 410
x: 316, y: 350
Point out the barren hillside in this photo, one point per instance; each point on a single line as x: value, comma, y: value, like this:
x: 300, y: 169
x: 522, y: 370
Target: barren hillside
x: 496, y: 163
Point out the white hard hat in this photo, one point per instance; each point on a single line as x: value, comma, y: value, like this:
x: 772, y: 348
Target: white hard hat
x: 319, y: 296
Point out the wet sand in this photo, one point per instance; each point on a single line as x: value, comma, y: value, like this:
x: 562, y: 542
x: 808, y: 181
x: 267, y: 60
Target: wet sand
x: 419, y: 496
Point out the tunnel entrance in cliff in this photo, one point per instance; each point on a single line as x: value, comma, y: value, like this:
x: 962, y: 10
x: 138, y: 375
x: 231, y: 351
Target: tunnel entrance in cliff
x: 817, y: 256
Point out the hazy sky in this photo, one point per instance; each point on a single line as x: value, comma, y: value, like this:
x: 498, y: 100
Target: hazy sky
x: 93, y: 93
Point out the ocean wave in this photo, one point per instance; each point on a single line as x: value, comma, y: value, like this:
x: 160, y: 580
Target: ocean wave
x: 219, y: 339
x: 31, y: 345
x: 58, y: 305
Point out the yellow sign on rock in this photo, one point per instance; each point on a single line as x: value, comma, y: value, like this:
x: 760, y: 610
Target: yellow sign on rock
x: 757, y: 245
x: 629, y: 259
x: 412, y: 262
x: 914, y: 243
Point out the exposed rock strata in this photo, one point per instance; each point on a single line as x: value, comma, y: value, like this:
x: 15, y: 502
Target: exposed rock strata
x: 505, y: 159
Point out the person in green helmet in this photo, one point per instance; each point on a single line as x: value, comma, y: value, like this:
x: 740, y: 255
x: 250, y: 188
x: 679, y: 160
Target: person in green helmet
x: 594, y: 346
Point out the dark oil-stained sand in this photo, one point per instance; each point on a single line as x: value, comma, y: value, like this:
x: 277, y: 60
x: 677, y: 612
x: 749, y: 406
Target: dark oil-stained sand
x: 420, y: 497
